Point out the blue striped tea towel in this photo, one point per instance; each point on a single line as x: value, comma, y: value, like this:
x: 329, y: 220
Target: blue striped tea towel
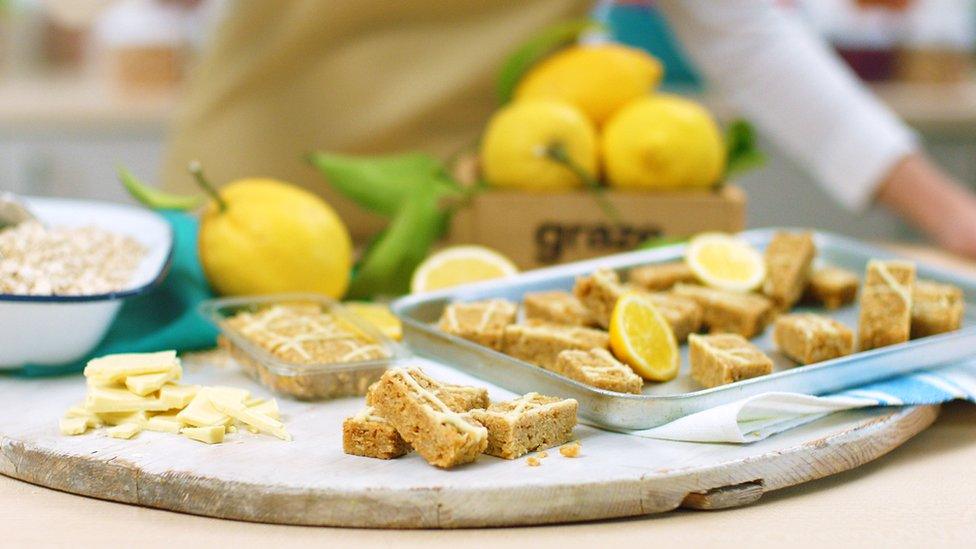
x: 758, y: 417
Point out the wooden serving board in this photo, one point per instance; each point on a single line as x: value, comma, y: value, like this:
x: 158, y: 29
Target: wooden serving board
x: 310, y: 481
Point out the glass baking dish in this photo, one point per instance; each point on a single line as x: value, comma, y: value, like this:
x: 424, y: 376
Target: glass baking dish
x: 301, y: 380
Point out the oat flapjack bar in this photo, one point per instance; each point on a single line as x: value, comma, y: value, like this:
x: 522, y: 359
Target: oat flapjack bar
x: 725, y: 358
x: 483, y: 322
x: 664, y: 276
x: 540, y: 344
x: 556, y: 307
x: 788, y: 259
x: 598, y: 368
x: 729, y: 312
x: 369, y: 435
x: 936, y: 308
x: 599, y: 293
x: 886, y: 304
x: 407, y: 398
x: 526, y: 424
x: 808, y: 338
x: 832, y: 286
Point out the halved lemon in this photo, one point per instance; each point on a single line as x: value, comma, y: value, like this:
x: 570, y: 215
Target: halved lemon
x: 460, y: 265
x: 641, y: 338
x: 378, y: 315
x: 726, y: 262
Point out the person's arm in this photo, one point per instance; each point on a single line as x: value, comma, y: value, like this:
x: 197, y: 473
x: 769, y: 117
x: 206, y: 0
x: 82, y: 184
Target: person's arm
x: 923, y: 194
x: 786, y: 80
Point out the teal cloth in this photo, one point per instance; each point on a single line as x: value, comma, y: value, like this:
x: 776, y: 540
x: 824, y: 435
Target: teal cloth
x: 641, y: 25
x: 164, y: 318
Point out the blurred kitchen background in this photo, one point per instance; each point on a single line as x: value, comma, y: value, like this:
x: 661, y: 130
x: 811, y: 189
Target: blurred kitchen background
x: 85, y: 84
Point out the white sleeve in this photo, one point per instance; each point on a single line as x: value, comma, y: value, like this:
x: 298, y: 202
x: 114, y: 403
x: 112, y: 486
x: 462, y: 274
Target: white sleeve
x: 782, y: 78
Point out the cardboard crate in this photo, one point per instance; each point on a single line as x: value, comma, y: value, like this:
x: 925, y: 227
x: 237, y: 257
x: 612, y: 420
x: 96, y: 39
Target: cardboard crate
x: 536, y: 229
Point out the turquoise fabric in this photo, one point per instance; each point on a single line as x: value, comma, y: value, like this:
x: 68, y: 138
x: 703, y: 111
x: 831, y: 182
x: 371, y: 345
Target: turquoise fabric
x: 165, y: 318
x: 641, y: 25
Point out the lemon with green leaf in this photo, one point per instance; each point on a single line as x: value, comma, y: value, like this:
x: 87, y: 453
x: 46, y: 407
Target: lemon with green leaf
x: 262, y: 236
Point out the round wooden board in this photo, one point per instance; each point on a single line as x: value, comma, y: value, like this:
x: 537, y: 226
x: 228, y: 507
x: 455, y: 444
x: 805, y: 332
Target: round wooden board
x: 310, y: 481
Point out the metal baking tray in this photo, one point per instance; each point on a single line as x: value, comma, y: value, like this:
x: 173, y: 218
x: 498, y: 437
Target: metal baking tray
x: 664, y: 402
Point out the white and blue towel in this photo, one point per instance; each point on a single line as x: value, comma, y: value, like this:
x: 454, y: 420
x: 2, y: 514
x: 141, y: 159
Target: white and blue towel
x: 758, y: 417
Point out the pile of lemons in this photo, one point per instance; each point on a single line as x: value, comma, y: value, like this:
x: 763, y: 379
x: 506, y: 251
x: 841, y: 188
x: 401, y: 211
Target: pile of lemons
x: 591, y: 111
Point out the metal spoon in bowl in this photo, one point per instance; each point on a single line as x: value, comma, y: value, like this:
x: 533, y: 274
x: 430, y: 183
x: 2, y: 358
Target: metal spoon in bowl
x: 13, y: 211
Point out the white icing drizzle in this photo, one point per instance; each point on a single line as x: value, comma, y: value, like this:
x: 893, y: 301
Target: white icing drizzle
x: 739, y: 355
x: 487, y: 314
x: 441, y: 412
x: 452, y: 319
x: 810, y: 323
x: 369, y: 414
x: 269, y: 324
x: 523, y: 403
x: 603, y: 367
x: 361, y: 351
x: 903, y: 292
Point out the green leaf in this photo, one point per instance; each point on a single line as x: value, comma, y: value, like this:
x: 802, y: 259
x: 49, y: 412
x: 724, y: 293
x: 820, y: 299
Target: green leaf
x: 389, y: 262
x: 535, y: 49
x: 742, y: 151
x: 378, y: 183
x: 411, y: 189
x: 154, y: 198
x: 660, y: 242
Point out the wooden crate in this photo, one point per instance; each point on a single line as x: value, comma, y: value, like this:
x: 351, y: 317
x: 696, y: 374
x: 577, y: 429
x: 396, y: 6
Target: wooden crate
x: 536, y: 229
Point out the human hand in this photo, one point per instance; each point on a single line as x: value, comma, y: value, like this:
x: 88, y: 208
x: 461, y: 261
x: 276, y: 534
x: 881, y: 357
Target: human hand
x: 932, y: 201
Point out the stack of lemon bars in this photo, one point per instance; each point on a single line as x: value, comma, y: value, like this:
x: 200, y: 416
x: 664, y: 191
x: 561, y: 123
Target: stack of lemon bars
x: 450, y: 425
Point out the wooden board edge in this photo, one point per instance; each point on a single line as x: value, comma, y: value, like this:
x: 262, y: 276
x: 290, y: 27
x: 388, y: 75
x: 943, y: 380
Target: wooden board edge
x: 435, y: 508
x: 830, y: 455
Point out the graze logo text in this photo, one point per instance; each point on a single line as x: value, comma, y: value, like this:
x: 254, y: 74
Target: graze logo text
x: 553, y: 240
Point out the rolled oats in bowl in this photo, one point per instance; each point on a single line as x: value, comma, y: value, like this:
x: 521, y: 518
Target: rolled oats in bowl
x: 39, y: 260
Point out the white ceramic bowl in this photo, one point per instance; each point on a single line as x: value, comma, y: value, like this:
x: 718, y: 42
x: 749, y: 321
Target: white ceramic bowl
x: 51, y: 330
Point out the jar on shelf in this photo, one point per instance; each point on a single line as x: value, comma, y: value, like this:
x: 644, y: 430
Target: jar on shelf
x: 866, y: 37
x: 939, y: 42
x: 143, y: 45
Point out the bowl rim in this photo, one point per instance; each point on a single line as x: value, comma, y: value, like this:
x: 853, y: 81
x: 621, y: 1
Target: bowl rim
x: 157, y: 280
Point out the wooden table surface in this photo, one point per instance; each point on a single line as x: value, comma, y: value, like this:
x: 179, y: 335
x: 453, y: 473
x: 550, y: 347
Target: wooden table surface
x: 919, y: 495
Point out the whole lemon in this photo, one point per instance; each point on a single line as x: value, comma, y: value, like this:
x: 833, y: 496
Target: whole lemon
x: 599, y: 79
x: 265, y: 236
x: 516, y: 146
x: 662, y: 141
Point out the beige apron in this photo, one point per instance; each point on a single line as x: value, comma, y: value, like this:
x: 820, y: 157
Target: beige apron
x: 284, y: 77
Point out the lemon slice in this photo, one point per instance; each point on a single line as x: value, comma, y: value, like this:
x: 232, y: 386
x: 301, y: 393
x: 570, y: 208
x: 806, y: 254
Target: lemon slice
x: 378, y: 315
x: 641, y: 338
x: 726, y: 262
x: 460, y: 265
